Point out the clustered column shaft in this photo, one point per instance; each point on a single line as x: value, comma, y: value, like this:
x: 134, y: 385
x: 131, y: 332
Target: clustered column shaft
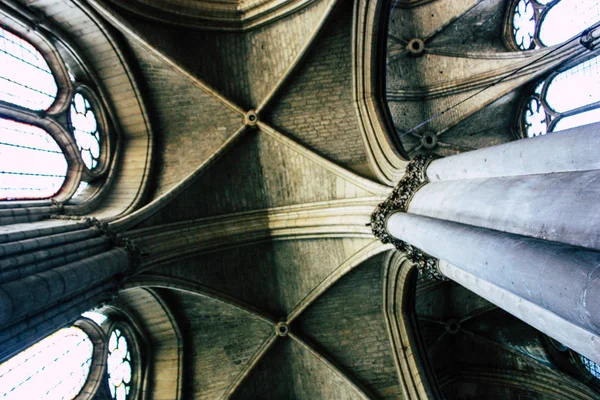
x: 517, y: 224
x: 51, y: 275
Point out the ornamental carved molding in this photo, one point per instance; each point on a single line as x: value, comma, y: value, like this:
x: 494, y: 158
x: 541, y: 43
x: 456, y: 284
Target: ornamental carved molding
x: 219, y: 15
x: 414, y: 178
x: 116, y: 239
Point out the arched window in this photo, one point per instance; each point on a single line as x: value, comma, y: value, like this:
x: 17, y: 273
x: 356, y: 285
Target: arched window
x: 590, y: 366
x: 119, y: 365
x: 572, y: 362
x: 569, y: 96
x: 53, y: 134
x: 96, y: 357
x: 26, y: 79
x: 541, y: 23
x: 54, y: 368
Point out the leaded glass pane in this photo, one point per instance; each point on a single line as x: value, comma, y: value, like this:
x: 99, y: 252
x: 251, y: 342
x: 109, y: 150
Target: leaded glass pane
x: 119, y: 365
x: 54, y: 368
x: 567, y: 19
x: 25, y: 78
x: 535, y: 118
x: 591, y: 366
x: 524, y: 24
x: 85, y: 130
x: 32, y: 164
x: 584, y: 118
x: 575, y: 87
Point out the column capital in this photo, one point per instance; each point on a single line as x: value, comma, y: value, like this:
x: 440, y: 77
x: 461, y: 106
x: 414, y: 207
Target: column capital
x: 118, y: 240
x: 414, y: 178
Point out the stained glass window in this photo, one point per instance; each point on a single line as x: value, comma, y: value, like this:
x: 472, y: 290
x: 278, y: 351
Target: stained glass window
x: 31, y: 163
x: 119, y: 365
x: 25, y: 77
x: 565, y: 100
x: 85, y: 130
x: 566, y: 19
x: 591, y: 366
x: 571, y: 96
x: 54, y: 368
x: 538, y: 23
x: 524, y: 24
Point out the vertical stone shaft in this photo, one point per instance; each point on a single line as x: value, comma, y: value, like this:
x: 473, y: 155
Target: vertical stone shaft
x: 545, y: 187
x: 518, y: 224
x: 48, y: 277
x: 559, y: 278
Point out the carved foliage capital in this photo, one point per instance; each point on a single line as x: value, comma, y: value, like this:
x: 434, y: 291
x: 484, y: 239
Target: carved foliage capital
x: 414, y: 178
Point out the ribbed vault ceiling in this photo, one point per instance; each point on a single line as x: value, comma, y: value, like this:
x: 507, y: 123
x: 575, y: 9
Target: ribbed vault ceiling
x: 299, y: 253
x: 232, y: 15
x: 262, y: 189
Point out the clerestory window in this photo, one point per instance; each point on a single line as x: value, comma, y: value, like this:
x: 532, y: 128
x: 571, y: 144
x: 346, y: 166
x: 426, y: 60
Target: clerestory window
x: 569, y: 96
x: 119, y: 365
x: 54, y: 368
x: 592, y: 367
x: 542, y: 23
x: 96, y: 357
x: 53, y: 134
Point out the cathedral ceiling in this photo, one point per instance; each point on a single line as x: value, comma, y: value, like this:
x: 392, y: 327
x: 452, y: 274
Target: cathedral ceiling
x: 229, y: 15
x: 264, y: 181
x: 448, y: 70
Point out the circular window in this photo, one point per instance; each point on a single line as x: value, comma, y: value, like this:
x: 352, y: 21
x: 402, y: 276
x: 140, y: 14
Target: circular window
x: 85, y: 130
x: 534, y: 117
x: 119, y: 365
x: 524, y: 25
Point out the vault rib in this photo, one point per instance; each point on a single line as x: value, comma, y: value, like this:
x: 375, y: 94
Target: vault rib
x: 373, y: 248
x: 332, y: 366
x: 298, y: 60
x: 130, y: 32
x: 449, y: 22
x: 167, y: 282
x: 364, y: 183
x: 249, y: 367
x: 160, y: 202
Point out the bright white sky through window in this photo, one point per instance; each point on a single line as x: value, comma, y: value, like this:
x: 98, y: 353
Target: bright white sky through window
x: 54, y: 369
x: 31, y: 163
x: 25, y: 78
x: 567, y: 19
x: 575, y: 91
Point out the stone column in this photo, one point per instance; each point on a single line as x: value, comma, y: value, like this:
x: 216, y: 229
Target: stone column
x: 516, y: 223
x: 545, y: 187
x: 517, y: 272
x: 52, y: 274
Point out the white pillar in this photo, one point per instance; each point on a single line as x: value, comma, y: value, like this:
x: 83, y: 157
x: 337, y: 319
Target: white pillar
x: 571, y: 335
x: 518, y: 224
x: 561, y: 279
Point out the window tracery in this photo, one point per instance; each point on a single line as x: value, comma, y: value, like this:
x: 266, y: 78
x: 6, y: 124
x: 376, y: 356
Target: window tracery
x: 590, y: 366
x: 119, y: 365
x: 55, y: 368
x: 95, y: 356
x: 542, y: 23
x: 53, y: 135
x: 569, y: 96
